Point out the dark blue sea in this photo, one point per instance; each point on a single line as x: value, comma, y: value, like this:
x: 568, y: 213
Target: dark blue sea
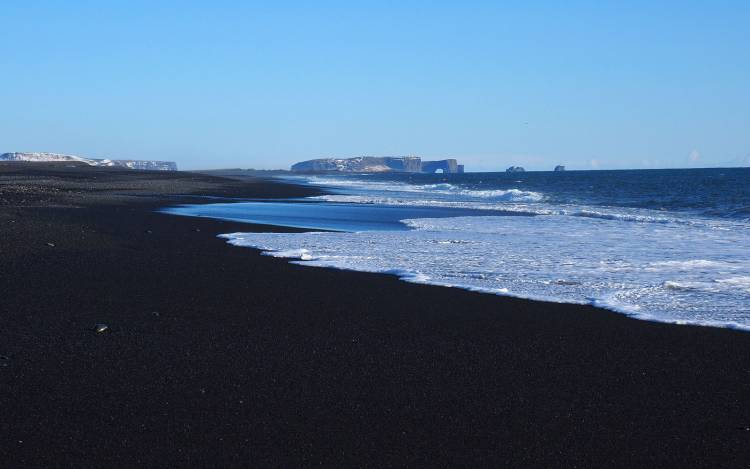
x: 666, y: 245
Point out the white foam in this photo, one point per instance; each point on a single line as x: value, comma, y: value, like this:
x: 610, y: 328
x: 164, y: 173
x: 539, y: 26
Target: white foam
x: 692, y: 264
x: 511, y: 195
x: 392, y: 187
x: 634, y: 217
x: 511, y: 200
x: 651, y: 264
x: 659, y: 272
x: 736, y: 282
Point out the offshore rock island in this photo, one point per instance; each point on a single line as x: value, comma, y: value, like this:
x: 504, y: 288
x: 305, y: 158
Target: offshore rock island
x: 378, y: 164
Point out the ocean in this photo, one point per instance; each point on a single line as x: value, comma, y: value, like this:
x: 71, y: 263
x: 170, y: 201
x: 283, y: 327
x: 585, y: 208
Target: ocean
x: 664, y: 245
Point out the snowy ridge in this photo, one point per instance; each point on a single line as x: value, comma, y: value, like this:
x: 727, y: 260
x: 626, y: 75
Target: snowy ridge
x: 44, y: 157
x: 52, y: 157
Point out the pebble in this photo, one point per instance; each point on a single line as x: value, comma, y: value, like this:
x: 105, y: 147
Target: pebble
x: 4, y: 360
x: 101, y: 328
x: 51, y: 245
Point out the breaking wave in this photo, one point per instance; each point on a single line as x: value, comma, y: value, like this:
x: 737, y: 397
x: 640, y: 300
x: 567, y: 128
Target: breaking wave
x: 561, y: 259
x: 669, y: 246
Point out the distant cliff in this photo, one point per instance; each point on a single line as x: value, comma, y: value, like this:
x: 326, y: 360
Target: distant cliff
x: 44, y: 157
x: 147, y: 165
x: 130, y: 164
x: 378, y: 164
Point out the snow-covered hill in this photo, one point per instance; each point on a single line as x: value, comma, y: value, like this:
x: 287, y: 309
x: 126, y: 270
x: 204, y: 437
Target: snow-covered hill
x: 131, y: 164
x: 23, y: 156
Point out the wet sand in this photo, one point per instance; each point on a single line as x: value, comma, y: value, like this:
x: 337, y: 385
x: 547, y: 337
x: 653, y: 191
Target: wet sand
x: 218, y: 356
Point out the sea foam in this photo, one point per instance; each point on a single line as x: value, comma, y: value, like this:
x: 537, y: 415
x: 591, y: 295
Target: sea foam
x: 553, y: 258
x: 667, y: 246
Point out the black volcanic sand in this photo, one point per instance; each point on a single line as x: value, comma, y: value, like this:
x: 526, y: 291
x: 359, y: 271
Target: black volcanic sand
x: 217, y: 356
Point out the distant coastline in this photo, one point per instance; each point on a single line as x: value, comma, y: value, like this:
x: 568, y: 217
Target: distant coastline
x: 46, y: 157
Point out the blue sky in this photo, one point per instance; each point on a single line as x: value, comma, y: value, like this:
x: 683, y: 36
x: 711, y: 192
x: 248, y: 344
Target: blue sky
x: 245, y: 84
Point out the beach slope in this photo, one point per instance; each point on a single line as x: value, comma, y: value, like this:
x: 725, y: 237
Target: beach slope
x: 217, y: 356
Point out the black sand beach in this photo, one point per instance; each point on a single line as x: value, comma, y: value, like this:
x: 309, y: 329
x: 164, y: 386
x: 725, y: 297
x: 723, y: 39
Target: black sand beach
x: 217, y: 356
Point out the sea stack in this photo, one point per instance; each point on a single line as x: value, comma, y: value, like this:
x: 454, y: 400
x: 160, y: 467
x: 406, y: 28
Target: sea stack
x: 559, y: 168
x: 515, y: 169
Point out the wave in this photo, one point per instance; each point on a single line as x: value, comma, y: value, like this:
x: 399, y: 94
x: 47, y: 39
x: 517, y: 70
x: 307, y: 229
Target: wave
x: 513, y: 273
x: 708, y: 193
x: 739, y: 282
x: 731, y: 285
x: 638, y: 218
x: 692, y: 264
x: 519, y: 204
x: 513, y: 194
x: 686, y: 275
x: 513, y: 201
x: 520, y: 208
x: 431, y: 202
x: 684, y: 267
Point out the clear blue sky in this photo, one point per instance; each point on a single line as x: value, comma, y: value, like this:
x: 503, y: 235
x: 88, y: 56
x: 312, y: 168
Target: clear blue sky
x: 245, y: 84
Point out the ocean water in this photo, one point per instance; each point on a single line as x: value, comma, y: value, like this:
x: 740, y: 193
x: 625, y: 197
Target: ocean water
x: 665, y: 245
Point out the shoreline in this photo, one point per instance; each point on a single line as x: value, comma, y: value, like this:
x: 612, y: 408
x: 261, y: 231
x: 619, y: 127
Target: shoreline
x: 253, y: 360
x: 291, y: 254
x: 408, y: 277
